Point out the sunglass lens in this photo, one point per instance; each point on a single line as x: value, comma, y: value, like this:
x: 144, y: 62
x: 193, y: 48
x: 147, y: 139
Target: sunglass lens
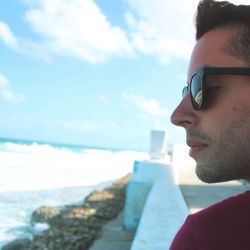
x: 185, y: 91
x: 196, y: 91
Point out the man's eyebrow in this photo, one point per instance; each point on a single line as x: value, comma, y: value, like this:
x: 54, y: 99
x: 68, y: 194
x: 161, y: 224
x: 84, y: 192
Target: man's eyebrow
x: 208, y: 66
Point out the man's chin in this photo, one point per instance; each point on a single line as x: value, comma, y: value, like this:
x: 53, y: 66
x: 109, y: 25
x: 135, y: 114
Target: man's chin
x: 211, y: 177
x: 206, y: 176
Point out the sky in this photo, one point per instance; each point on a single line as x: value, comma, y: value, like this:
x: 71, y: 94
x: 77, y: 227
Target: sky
x: 94, y: 72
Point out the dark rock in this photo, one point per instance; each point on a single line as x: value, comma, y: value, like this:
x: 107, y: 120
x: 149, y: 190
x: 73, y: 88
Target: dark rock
x: 44, y: 214
x: 19, y: 244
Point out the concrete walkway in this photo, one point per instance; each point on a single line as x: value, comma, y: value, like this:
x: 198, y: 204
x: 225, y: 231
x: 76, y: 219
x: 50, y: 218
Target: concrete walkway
x: 114, y: 237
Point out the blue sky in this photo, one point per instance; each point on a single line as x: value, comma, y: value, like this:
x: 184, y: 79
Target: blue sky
x: 98, y: 73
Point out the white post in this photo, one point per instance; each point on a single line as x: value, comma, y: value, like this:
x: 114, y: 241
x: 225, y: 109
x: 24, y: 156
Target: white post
x: 158, y: 144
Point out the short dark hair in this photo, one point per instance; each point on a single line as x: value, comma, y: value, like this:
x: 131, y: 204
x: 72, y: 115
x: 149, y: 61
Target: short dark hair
x: 213, y: 14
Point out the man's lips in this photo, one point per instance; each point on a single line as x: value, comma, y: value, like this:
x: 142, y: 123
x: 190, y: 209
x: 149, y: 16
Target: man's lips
x: 196, y: 147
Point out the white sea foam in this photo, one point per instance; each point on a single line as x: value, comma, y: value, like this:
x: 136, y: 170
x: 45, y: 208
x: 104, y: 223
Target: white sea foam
x: 34, y: 167
x: 35, y: 175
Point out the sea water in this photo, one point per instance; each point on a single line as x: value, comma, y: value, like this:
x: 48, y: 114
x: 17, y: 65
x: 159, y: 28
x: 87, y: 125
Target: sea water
x: 33, y: 174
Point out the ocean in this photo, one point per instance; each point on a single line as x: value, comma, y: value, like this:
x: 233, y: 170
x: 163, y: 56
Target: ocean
x: 33, y: 174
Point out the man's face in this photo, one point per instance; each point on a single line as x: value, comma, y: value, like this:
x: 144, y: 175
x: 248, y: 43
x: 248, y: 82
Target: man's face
x: 219, y: 134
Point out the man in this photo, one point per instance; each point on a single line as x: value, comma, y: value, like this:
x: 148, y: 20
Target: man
x: 215, y: 112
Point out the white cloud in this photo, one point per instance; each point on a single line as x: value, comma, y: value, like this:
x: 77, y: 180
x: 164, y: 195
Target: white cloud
x: 77, y: 28
x: 7, y: 36
x: 21, y: 45
x: 6, y: 93
x: 145, y: 106
x: 162, y: 28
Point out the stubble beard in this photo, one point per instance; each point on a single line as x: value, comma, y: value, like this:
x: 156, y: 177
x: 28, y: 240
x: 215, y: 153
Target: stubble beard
x: 228, y: 158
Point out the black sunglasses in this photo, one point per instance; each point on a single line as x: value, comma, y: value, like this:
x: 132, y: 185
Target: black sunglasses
x: 197, y: 87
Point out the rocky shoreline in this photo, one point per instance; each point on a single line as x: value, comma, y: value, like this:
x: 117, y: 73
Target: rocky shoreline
x: 75, y: 227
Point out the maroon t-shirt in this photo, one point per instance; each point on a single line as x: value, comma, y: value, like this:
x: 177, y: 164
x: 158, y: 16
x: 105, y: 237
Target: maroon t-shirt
x: 222, y: 226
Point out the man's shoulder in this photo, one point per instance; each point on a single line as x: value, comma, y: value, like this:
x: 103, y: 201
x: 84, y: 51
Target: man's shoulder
x: 224, y: 225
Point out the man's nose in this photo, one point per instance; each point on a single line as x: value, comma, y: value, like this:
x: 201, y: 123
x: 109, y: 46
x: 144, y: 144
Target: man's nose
x: 184, y: 115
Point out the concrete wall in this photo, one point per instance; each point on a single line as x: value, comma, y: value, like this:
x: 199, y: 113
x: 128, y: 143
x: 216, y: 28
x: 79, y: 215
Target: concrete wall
x: 154, y: 206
